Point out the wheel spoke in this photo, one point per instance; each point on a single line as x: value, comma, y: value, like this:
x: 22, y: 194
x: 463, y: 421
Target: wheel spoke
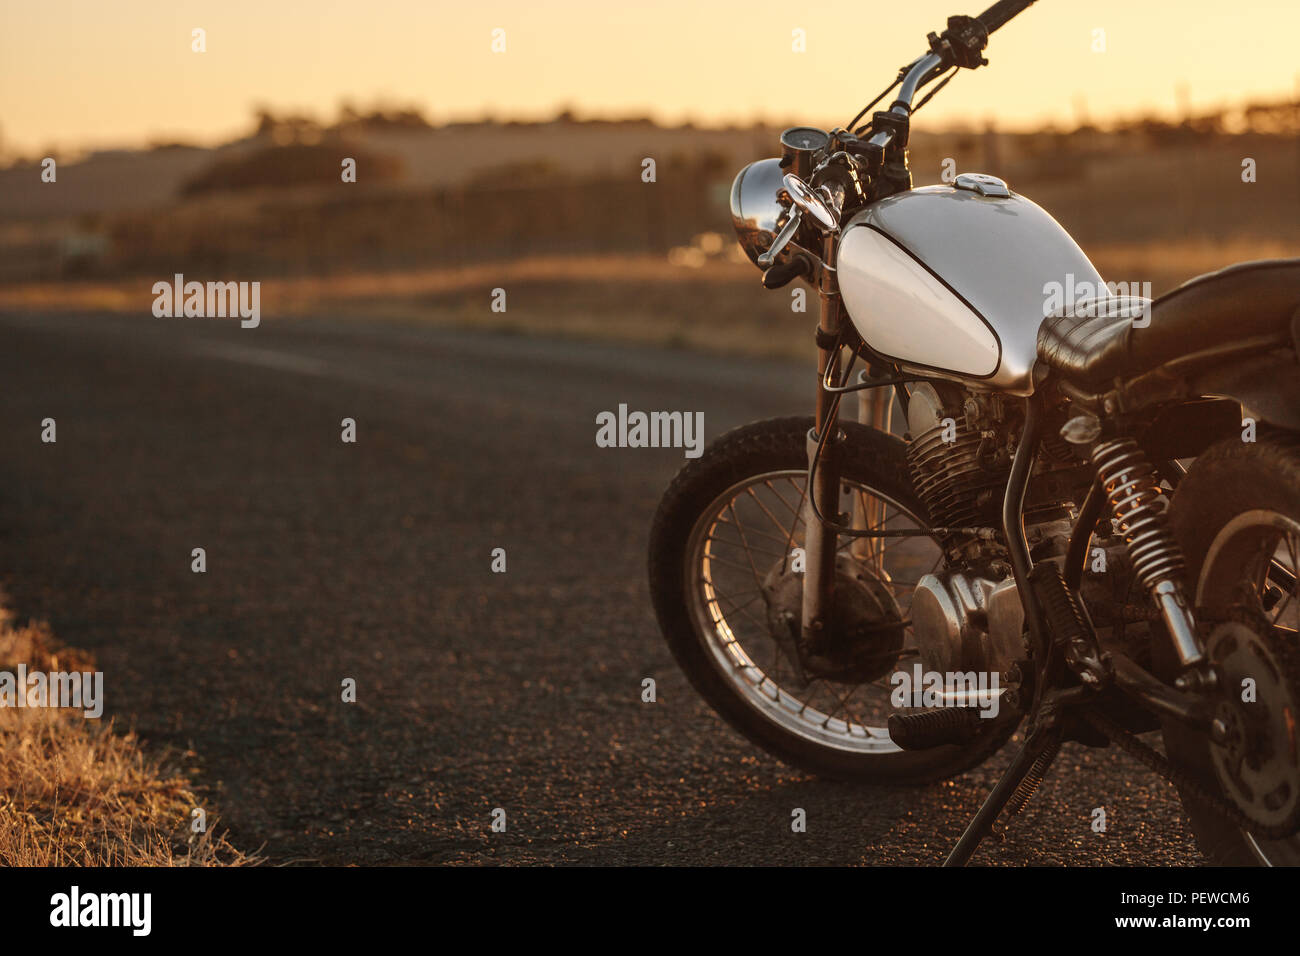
x: 757, y: 532
x: 746, y: 546
x: 733, y: 564
x: 794, y: 512
x: 740, y: 608
x: 1282, y: 605
x: 740, y: 529
x: 762, y: 507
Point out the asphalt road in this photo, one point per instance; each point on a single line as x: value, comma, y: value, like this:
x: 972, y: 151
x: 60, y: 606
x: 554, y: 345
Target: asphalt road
x: 371, y: 560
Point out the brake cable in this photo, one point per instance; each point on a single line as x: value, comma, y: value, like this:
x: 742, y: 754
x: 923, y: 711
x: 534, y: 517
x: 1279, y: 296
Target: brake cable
x: 901, y: 74
x: 885, y: 92
x: 941, y: 84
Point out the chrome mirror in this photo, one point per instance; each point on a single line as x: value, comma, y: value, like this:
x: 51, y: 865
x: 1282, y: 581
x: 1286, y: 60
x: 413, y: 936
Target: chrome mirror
x: 811, y: 202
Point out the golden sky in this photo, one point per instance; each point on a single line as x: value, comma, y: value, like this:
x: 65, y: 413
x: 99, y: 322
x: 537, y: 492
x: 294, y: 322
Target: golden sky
x: 98, y: 73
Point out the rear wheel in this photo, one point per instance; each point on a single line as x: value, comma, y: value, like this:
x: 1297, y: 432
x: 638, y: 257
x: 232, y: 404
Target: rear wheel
x: 720, y: 555
x: 1237, y: 518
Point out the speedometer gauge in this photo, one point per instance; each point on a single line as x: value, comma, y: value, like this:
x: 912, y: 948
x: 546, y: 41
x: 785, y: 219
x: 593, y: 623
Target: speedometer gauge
x: 807, y: 139
x: 798, y: 145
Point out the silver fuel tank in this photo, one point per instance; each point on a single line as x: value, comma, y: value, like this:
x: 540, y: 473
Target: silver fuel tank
x: 955, y: 279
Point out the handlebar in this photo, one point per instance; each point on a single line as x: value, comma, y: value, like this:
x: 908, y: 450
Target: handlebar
x: 919, y: 73
x: 931, y: 65
x: 998, y: 15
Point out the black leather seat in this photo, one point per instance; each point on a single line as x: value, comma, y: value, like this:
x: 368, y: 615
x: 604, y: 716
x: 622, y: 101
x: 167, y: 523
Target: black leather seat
x: 1094, y: 343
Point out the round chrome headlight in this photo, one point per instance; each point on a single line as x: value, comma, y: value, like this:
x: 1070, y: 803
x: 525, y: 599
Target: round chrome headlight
x: 756, y: 212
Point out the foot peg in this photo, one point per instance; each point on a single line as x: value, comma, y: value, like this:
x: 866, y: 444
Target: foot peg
x: 934, y: 728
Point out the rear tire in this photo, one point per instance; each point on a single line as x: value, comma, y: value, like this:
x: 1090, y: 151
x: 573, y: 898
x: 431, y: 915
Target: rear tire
x: 1231, y: 480
x: 873, y: 461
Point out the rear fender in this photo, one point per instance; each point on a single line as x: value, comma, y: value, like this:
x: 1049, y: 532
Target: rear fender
x: 1264, y: 382
x: 1186, y: 429
x: 1267, y: 385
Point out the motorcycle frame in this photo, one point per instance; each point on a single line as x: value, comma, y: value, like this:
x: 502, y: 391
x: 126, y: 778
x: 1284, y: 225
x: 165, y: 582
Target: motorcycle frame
x: 1053, y: 696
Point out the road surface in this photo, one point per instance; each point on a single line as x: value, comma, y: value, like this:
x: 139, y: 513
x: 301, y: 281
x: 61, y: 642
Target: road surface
x: 372, y: 561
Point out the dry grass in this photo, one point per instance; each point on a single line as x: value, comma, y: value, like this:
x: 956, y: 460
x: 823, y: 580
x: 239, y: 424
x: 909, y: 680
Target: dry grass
x: 73, y: 792
x: 637, y: 299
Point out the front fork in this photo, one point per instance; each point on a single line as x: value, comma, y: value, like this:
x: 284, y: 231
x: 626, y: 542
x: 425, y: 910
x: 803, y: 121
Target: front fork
x: 820, y: 540
x: 875, y: 410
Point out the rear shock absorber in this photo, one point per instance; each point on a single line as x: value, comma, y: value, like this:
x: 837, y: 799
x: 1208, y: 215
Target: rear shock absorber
x: 1139, y: 506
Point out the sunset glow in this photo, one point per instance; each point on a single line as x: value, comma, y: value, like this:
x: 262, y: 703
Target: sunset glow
x: 82, y: 73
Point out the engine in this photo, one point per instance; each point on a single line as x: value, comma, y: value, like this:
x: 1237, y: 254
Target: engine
x: 958, y: 468
x: 968, y: 616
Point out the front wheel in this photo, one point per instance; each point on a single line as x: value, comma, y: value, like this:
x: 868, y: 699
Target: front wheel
x: 722, y: 545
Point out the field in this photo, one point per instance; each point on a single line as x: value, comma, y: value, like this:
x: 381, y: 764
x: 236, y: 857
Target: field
x: 561, y: 219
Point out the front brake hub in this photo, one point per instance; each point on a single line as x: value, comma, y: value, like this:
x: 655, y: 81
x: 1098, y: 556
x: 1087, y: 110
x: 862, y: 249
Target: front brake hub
x: 865, y: 637
x: 1258, y: 764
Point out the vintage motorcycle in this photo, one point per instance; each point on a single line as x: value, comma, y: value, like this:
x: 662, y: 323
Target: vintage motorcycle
x: 1091, y: 524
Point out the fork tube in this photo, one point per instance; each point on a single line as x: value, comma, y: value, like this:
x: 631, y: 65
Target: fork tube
x: 875, y: 410
x: 819, y: 541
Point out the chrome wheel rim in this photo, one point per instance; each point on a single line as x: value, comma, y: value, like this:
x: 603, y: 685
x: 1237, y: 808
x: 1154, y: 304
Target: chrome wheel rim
x: 745, y: 532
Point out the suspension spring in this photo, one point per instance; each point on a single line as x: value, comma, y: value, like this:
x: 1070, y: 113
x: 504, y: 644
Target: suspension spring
x: 1139, y: 506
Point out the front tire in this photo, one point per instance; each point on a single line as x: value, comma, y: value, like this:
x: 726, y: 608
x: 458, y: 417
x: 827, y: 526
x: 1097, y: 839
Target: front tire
x: 699, y: 537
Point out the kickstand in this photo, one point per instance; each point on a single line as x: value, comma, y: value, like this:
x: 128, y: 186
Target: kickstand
x: 1043, y: 740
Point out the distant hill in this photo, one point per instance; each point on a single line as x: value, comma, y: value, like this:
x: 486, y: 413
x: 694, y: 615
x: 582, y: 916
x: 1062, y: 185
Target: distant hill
x: 274, y: 202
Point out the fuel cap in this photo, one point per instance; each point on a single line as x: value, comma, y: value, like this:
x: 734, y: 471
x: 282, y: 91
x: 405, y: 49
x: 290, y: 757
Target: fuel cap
x: 982, y: 183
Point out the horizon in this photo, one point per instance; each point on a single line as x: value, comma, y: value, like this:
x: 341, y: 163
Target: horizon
x: 1115, y: 126
x: 129, y: 77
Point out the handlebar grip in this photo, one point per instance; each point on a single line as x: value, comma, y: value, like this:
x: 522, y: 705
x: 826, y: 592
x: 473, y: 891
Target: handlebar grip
x: 783, y: 273
x: 997, y: 16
